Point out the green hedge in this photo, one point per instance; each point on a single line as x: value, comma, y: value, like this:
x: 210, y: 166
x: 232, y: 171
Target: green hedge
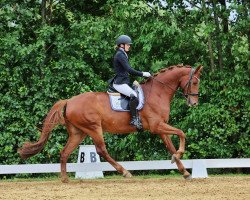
x: 41, y: 63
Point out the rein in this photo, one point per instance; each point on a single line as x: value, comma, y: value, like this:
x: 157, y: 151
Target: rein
x: 166, y: 85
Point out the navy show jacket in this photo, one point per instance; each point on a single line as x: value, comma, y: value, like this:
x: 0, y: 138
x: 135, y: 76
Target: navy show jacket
x: 122, y: 68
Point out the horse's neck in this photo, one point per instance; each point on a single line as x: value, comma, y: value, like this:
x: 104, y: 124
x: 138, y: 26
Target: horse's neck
x: 164, y: 85
x: 171, y: 78
x: 157, y: 92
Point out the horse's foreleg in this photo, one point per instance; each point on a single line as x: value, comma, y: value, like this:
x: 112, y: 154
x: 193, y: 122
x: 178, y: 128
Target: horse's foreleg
x: 75, y: 138
x: 165, y: 130
x: 169, y: 145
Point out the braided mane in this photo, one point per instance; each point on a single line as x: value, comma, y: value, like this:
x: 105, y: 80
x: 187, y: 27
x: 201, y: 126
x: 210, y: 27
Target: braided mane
x: 167, y: 69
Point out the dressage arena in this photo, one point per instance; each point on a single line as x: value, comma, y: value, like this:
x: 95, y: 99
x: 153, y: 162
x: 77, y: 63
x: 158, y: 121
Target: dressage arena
x: 174, y: 188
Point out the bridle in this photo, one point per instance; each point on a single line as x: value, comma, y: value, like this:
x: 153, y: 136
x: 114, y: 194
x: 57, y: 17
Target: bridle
x: 189, y: 84
x: 186, y: 88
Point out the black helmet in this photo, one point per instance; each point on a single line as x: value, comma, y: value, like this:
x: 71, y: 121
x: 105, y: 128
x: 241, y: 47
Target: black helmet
x: 123, y: 39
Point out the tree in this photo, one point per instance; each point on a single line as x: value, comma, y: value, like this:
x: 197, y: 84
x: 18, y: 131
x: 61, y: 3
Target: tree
x: 57, y: 49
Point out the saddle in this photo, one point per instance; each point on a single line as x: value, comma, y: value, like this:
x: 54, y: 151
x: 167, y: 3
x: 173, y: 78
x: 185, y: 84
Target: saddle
x: 120, y: 102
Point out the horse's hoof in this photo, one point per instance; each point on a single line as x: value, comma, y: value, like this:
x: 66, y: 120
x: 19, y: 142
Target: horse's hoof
x: 173, y: 159
x: 65, y: 180
x: 187, y: 175
x: 127, y: 175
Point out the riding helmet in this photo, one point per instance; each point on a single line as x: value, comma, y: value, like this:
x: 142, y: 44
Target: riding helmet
x: 123, y: 39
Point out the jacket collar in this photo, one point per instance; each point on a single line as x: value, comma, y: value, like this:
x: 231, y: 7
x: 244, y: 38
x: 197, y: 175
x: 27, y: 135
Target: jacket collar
x: 121, y: 49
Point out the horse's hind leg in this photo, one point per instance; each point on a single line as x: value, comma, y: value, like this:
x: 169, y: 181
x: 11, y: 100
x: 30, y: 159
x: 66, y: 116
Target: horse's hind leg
x: 169, y: 145
x: 97, y: 137
x: 76, y: 136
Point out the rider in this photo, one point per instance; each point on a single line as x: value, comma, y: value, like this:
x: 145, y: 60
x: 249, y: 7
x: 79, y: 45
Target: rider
x: 121, y: 80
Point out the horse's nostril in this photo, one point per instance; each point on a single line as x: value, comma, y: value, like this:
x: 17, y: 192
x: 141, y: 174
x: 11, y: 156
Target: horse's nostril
x: 192, y: 104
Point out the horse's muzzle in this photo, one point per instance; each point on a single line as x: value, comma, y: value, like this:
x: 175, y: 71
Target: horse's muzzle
x: 191, y: 102
x: 195, y: 104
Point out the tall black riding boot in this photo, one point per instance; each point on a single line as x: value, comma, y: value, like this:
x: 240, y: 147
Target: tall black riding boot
x: 135, y: 120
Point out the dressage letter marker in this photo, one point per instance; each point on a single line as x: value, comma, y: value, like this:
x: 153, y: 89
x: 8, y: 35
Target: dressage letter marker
x: 87, y: 154
x: 82, y: 154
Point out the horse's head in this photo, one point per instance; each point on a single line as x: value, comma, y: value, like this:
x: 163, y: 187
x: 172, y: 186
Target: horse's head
x: 190, y: 85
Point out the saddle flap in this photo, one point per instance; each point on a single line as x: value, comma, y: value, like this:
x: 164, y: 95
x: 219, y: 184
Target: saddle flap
x: 121, y: 103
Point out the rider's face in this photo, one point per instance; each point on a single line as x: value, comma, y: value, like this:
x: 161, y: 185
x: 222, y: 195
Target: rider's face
x: 127, y: 47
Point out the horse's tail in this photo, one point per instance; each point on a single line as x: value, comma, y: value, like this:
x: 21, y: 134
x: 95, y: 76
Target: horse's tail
x: 53, y: 118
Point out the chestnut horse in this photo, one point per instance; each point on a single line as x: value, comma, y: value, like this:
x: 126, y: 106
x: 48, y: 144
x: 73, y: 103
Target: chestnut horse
x: 91, y: 114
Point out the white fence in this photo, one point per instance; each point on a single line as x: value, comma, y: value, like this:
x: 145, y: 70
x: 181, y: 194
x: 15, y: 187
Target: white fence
x: 198, y: 166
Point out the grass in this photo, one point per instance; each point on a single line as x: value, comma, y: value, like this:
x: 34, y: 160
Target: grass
x: 56, y: 177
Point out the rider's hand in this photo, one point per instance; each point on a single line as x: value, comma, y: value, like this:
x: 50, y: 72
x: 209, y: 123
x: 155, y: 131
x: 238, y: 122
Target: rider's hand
x: 146, y: 74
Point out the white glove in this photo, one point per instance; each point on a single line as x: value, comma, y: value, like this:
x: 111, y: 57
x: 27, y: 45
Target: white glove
x: 146, y: 74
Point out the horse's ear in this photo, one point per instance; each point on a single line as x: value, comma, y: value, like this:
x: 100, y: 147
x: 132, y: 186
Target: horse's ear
x: 198, y: 69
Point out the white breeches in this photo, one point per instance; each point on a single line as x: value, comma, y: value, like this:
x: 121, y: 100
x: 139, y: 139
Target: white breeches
x: 124, y: 89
